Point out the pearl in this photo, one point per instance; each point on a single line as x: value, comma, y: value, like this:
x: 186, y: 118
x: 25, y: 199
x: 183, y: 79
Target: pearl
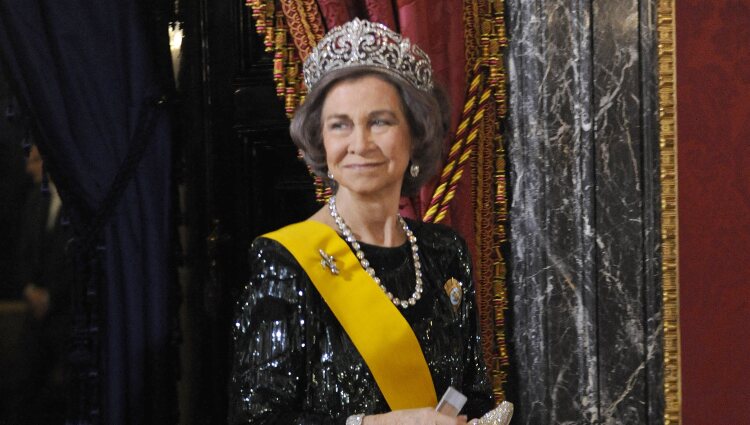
x: 366, y: 264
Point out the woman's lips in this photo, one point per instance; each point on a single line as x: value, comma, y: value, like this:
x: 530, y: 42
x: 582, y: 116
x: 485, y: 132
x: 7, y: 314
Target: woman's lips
x: 363, y: 166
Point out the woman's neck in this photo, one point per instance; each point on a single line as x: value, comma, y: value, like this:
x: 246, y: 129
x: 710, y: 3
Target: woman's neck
x: 373, y: 221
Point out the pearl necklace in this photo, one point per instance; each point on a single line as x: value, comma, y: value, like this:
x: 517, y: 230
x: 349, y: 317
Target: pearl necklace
x: 366, y: 264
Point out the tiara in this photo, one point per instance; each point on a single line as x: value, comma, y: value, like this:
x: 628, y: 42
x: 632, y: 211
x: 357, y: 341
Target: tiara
x: 360, y: 43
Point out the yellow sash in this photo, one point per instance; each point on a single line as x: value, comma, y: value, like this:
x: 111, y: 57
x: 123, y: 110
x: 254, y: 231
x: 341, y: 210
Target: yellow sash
x: 381, y: 334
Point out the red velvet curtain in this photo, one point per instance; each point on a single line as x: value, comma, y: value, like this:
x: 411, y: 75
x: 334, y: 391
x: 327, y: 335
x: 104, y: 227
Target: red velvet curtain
x: 439, y: 31
x: 713, y: 89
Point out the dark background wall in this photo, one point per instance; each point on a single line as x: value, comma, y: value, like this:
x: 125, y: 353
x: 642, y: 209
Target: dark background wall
x: 713, y: 106
x: 15, y: 186
x: 238, y: 177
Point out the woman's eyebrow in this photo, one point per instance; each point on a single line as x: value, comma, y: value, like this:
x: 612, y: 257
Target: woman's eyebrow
x: 379, y: 112
x: 336, y: 116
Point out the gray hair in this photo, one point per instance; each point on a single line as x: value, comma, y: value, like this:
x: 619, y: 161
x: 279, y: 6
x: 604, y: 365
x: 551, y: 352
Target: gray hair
x: 427, y: 113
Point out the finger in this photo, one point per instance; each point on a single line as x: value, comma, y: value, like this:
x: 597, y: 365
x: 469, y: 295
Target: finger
x: 441, y: 419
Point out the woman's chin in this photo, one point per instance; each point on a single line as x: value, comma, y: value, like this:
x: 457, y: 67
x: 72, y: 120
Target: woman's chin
x: 369, y: 188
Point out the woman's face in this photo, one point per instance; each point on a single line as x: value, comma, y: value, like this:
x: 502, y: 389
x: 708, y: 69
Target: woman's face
x: 366, y: 136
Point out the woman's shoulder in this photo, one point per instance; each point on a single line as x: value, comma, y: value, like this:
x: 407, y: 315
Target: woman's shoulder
x: 274, y: 274
x: 268, y: 251
x: 268, y: 256
x: 265, y: 245
x: 438, y: 236
x: 443, y: 250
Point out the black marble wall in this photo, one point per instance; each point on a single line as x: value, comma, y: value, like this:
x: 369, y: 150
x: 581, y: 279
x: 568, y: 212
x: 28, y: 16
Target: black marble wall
x: 583, y: 152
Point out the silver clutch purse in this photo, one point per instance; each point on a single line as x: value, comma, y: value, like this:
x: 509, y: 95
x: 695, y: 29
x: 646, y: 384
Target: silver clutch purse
x: 498, y: 416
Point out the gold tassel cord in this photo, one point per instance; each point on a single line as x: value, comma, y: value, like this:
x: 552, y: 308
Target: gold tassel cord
x: 497, y: 42
x: 278, y: 39
x: 290, y: 29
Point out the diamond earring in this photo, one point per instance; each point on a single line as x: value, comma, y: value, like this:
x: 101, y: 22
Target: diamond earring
x: 414, y: 170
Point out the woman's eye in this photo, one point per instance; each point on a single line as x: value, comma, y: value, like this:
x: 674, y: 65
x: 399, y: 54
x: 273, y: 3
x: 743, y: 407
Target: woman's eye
x: 337, y: 126
x: 380, y: 122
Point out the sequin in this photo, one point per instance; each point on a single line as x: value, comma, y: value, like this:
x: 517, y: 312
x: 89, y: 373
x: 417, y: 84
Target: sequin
x: 293, y: 363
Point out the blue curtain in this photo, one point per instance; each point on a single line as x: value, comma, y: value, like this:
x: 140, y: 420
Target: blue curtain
x: 86, y: 70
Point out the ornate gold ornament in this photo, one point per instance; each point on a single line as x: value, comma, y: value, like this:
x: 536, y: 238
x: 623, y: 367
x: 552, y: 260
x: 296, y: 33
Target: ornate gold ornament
x: 452, y: 288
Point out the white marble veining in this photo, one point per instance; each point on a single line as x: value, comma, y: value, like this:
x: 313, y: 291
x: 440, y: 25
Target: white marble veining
x: 583, y: 247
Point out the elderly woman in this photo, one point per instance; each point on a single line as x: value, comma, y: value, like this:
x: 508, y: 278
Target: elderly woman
x: 358, y: 315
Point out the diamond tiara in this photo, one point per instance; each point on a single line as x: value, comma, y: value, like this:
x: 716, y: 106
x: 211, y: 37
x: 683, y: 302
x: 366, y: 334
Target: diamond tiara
x: 360, y: 43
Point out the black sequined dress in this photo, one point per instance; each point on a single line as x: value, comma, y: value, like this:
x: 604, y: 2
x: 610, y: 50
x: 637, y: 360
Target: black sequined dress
x: 293, y: 362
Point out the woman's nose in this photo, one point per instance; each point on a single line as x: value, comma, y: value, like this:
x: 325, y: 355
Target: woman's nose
x: 361, y: 140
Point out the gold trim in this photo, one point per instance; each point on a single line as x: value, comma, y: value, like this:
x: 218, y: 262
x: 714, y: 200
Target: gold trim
x: 669, y: 213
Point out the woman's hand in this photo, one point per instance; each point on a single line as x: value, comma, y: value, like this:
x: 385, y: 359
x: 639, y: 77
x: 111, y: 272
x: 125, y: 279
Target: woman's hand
x: 424, y: 416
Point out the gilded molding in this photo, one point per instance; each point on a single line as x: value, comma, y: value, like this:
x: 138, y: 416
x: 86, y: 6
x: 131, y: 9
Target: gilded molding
x: 669, y: 216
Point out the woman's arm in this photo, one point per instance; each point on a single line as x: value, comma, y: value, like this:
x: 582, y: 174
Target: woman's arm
x: 268, y: 380
x: 476, y: 384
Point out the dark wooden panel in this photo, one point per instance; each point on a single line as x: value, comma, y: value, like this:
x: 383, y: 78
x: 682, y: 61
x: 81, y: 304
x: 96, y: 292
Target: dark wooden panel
x: 239, y: 177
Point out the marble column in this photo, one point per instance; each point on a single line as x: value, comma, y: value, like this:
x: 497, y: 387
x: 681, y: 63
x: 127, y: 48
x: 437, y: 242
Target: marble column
x: 583, y: 152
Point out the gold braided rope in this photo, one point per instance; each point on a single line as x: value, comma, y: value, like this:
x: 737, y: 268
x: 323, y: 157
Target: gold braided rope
x: 465, y: 154
x: 458, y: 148
x: 669, y: 217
